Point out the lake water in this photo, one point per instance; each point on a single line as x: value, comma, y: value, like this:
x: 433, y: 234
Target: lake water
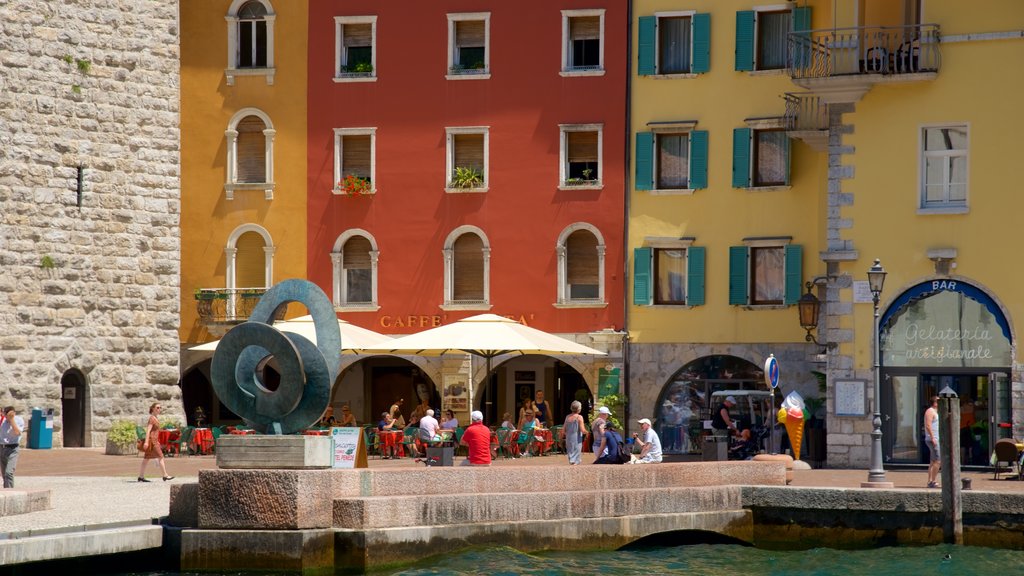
x: 716, y: 560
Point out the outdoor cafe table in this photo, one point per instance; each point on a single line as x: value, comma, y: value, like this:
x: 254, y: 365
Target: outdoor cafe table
x: 238, y: 432
x: 202, y: 440
x: 391, y: 439
x: 545, y: 444
x: 166, y: 436
x: 317, y: 432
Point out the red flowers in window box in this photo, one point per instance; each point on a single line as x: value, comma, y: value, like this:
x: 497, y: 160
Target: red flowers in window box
x: 353, y: 185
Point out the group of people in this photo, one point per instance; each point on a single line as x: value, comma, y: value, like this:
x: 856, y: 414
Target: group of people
x: 606, y: 440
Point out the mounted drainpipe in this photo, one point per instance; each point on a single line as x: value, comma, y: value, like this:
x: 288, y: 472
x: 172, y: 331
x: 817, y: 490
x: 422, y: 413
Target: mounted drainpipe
x: 625, y: 211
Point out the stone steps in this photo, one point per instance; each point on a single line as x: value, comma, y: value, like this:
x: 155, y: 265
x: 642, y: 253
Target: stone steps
x: 378, y: 512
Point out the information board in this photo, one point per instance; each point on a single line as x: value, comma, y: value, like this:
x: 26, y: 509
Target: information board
x: 851, y: 399
x: 348, y: 448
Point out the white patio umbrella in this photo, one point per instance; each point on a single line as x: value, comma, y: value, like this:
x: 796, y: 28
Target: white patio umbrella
x: 484, y: 335
x: 353, y: 338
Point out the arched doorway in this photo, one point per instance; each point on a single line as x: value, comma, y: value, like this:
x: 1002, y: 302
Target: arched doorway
x: 197, y: 392
x: 685, y: 402
x: 939, y: 334
x: 522, y: 377
x: 72, y: 404
x: 370, y: 386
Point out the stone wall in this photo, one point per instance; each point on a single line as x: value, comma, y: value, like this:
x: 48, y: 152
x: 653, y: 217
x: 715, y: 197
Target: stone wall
x: 89, y: 206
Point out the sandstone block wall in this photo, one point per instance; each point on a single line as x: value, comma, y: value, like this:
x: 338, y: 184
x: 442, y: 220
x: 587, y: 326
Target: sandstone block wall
x: 90, y: 279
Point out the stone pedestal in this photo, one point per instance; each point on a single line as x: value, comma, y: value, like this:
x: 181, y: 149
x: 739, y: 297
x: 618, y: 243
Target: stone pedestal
x: 266, y: 452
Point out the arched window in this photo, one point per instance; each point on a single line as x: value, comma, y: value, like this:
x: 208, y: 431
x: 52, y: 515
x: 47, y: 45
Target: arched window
x: 467, y: 258
x: 250, y: 40
x: 250, y: 256
x: 580, y: 266
x: 250, y: 146
x: 354, y: 263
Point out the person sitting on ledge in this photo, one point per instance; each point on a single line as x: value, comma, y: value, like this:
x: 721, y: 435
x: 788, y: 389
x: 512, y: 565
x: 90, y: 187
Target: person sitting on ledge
x: 650, y: 444
x: 609, y: 448
x: 477, y: 439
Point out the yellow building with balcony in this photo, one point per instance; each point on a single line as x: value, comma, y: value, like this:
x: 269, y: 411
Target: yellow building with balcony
x: 784, y: 144
x: 243, y: 167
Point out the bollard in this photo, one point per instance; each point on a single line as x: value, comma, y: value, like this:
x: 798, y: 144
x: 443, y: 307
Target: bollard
x: 949, y: 446
x: 965, y: 483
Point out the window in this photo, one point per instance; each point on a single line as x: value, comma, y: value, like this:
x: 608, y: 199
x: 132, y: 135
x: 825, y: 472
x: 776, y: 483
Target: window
x: 250, y: 147
x: 249, y: 256
x: 466, y: 167
x: 762, y: 36
x: 672, y: 158
x: 354, y: 263
x: 467, y: 263
x: 355, y: 156
x: 668, y: 272
x: 580, y: 152
x: 765, y: 272
x: 944, y: 167
x: 674, y: 43
x: 469, y: 54
x: 582, y: 42
x: 250, y: 40
x: 580, y: 251
x: 355, y: 48
x: 761, y: 156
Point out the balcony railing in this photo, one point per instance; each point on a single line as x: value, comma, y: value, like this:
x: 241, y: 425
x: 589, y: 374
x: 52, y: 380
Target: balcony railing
x: 805, y: 111
x: 885, y: 50
x: 227, y: 305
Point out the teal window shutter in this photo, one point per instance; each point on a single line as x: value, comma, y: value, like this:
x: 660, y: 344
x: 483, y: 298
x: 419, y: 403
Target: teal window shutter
x: 738, y: 275
x: 745, y: 40
x: 699, y: 159
x: 701, y: 43
x: 644, y: 160
x: 801, y: 42
x: 787, y: 157
x: 741, y: 157
x: 645, y: 47
x: 794, y: 272
x: 642, y: 276
x: 695, y: 276
x: 801, y: 19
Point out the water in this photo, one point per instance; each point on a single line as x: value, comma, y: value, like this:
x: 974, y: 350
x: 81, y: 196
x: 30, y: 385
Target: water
x: 713, y: 560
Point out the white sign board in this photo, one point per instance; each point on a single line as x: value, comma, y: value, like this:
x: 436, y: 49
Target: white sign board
x: 850, y: 398
x: 345, y: 446
x: 862, y: 292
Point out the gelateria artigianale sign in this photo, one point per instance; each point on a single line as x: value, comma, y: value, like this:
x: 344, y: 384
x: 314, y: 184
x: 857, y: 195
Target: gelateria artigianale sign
x: 939, y: 345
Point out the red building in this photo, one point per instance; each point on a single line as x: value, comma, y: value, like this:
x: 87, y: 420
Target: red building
x: 464, y: 158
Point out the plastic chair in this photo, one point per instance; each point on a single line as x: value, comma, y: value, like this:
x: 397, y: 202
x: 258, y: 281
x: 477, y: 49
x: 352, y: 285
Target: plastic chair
x: 1006, y: 451
x: 458, y: 441
x: 371, y: 441
x: 409, y: 440
x: 175, y: 446
x: 557, y: 442
x: 505, y: 438
x: 140, y: 433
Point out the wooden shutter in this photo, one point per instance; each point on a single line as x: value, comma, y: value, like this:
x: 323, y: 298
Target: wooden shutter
x: 582, y: 146
x: 695, y: 265
x: 356, y: 253
x: 641, y: 276
x: 644, y: 178
x: 250, y: 261
x: 252, y: 150
x: 794, y: 272
x: 741, y: 157
x: 468, y: 273
x: 470, y: 33
x: 646, y: 45
x: 699, y: 159
x: 585, y: 28
x: 581, y: 258
x: 355, y: 155
x: 745, y: 40
x: 738, y: 267
x: 357, y: 35
x: 468, y: 151
x: 701, y: 43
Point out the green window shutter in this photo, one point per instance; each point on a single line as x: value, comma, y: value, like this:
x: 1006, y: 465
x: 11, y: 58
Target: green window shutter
x: 695, y: 276
x: 646, y: 48
x: 787, y: 158
x: 741, y: 157
x: 644, y: 161
x: 801, y: 19
x: 699, y: 159
x: 701, y: 43
x: 738, y: 275
x: 800, y: 43
x: 642, y: 276
x: 794, y: 272
x: 745, y: 40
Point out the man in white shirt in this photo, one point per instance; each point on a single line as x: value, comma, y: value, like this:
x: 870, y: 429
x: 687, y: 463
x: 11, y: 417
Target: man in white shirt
x: 651, y: 444
x: 10, y: 436
x: 428, y: 427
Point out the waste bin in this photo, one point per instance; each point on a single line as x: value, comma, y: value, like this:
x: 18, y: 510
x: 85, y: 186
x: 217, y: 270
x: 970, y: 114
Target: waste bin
x: 41, y: 429
x: 716, y: 449
x: 440, y: 456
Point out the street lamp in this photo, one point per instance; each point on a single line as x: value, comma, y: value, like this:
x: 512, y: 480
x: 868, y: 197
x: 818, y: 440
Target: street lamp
x: 876, y: 475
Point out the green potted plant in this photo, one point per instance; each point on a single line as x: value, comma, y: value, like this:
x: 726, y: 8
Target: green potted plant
x: 122, y: 438
x: 467, y: 177
x: 169, y: 423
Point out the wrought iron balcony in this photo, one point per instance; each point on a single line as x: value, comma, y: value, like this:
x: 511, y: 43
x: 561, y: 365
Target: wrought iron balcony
x: 842, y: 64
x: 227, y: 305
x: 807, y: 119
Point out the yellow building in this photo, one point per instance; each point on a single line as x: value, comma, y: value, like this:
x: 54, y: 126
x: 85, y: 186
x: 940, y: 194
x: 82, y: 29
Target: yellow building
x: 776, y: 145
x: 243, y: 166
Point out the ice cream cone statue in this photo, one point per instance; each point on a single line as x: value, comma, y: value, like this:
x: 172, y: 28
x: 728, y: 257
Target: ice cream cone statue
x: 792, y: 414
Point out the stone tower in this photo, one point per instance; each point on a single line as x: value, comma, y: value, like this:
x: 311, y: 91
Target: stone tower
x: 89, y: 211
